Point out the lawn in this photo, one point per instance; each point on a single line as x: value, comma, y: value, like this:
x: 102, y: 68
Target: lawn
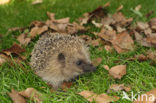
x: 141, y: 76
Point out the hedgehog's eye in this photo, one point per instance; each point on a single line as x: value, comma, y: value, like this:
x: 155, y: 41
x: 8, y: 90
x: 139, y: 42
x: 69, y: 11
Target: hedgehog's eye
x: 61, y: 57
x: 79, y: 62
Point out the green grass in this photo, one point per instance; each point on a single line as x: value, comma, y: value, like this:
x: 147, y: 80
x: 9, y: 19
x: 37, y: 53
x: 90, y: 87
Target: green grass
x: 141, y: 76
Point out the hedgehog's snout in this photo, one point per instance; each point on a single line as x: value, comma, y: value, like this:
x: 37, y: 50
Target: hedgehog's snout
x: 89, y: 68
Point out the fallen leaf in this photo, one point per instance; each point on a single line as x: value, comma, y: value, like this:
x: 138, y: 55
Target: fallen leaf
x: 118, y: 71
x: 107, y: 35
x: 119, y: 8
x: 15, y: 48
x: 141, y: 57
x: 118, y: 87
x: 98, y: 13
x: 3, y: 59
x: 37, y: 23
x: 107, y: 5
x: 138, y: 7
x: 32, y: 94
x: 74, y: 28
x: 151, y: 41
x: 148, y: 97
x: 66, y: 85
x: 84, y: 19
x: 151, y: 55
x: 142, y: 26
x: 37, y: 31
x: 63, y: 25
x: 97, y: 61
x: 37, y: 2
x: 120, y: 20
x: 16, y: 97
x: 106, y: 67
x: 148, y: 32
x: 99, y: 98
x: 108, y: 20
x: 108, y: 48
x: 96, y: 42
x: 123, y: 42
x: 23, y: 39
x: 153, y: 23
x: 15, y: 29
x: 98, y: 25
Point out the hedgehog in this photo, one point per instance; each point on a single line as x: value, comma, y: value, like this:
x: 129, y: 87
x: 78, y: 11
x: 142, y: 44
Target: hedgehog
x: 60, y: 57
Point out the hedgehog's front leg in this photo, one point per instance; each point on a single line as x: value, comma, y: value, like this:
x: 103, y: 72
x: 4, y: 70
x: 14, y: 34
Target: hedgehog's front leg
x: 56, y: 84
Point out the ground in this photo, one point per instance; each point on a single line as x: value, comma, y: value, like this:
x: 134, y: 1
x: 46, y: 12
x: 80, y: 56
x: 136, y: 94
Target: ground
x: 141, y: 76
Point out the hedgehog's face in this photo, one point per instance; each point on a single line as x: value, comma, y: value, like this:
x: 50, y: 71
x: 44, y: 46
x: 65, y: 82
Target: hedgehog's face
x: 75, y: 63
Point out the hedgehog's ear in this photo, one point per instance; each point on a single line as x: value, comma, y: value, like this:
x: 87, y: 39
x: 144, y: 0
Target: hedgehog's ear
x: 61, y: 57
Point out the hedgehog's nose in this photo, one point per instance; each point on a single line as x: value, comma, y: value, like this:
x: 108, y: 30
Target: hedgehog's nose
x: 89, y: 68
x: 93, y: 68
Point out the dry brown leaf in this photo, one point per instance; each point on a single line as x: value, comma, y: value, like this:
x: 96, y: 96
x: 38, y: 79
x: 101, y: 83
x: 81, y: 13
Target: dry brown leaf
x: 119, y: 8
x: 120, y: 29
x: 99, y: 98
x: 98, y: 25
x: 3, y: 59
x: 37, y: 23
x: 16, y: 97
x: 61, y: 21
x: 84, y: 19
x: 15, y: 48
x: 120, y: 20
x: 151, y: 41
x: 37, y: 31
x: 66, y: 85
x: 15, y: 51
x: 142, y: 26
x: 107, y: 34
x: 142, y: 41
x: 74, y: 28
x: 107, y: 20
x: 118, y: 17
x: 98, y: 13
x: 118, y: 71
x: 107, y: 5
x: 32, y: 94
x: 51, y: 15
x: 148, y: 42
x: 123, y: 42
x: 151, y: 55
x: 148, y: 97
x: 108, y: 48
x: 138, y: 7
x: 153, y: 23
x: 15, y: 29
x: 97, y: 61
x: 118, y: 87
x: 152, y: 35
x: 148, y: 32
x: 106, y: 67
x: 23, y: 39
x: 141, y: 57
x: 63, y: 25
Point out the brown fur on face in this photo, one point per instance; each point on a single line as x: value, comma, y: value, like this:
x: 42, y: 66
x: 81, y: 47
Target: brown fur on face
x: 66, y: 58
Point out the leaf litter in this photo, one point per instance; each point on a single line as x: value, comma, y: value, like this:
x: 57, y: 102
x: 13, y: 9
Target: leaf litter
x: 30, y: 93
x: 116, y: 31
